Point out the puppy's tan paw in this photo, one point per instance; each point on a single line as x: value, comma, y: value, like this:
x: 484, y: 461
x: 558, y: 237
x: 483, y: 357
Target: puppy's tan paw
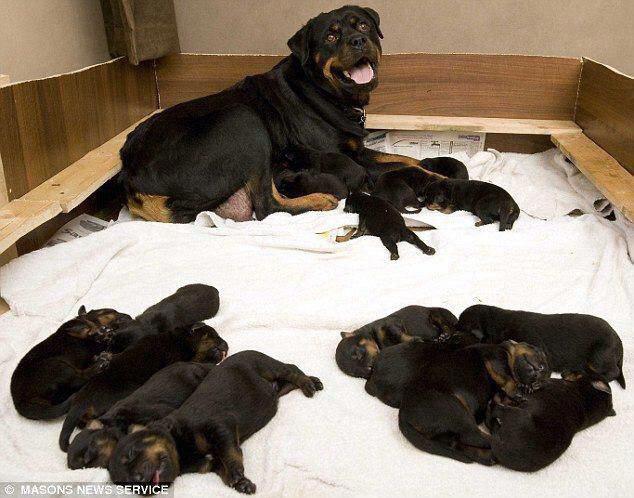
x: 323, y: 202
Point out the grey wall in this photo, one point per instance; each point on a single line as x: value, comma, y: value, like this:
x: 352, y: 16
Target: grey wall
x: 40, y: 38
x: 599, y: 29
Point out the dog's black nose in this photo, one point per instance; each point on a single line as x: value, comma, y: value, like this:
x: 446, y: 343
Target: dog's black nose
x: 358, y: 41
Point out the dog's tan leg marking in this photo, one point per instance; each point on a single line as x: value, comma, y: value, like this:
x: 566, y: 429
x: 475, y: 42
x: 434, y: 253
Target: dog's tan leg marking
x: 150, y: 207
x: 310, y: 202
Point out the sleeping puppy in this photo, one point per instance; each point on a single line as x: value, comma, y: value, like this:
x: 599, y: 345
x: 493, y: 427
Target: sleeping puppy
x: 188, y: 305
x: 163, y: 393
x: 572, y: 342
x: 352, y: 174
x: 395, y: 367
x: 130, y: 369
x: 532, y: 434
x: 357, y: 350
x: 446, y: 166
x: 60, y: 365
x: 402, y: 188
x: 293, y: 184
x: 379, y: 218
x: 488, y: 202
x: 442, y: 407
x: 233, y: 402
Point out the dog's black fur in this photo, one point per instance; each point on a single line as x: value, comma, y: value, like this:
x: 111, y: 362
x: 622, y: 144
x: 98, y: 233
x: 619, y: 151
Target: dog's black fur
x: 573, y: 343
x: 395, y: 367
x: 57, y: 367
x: 163, y: 393
x: 235, y: 401
x: 188, y: 305
x: 297, y: 184
x: 357, y: 350
x: 446, y: 166
x: 403, y: 187
x: 352, y: 174
x: 379, y: 218
x: 488, y: 202
x: 442, y: 407
x: 529, y: 435
x: 130, y: 369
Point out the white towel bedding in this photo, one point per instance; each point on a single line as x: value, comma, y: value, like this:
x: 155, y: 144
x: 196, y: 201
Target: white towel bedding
x: 290, y: 295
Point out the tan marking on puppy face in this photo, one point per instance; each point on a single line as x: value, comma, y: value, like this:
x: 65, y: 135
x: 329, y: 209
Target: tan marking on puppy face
x: 135, y: 428
x: 371, y: 348
x: 352, y: 144
x: 150, y: 207
x: 462, y: 401
x: 201, y: 443
x: 94, y: 425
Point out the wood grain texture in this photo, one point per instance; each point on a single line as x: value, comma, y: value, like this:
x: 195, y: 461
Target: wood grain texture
x: 473, y: 124
x: 50, y: 123
x: 605, y: 110
x: 495, y: 86
x: 601, y: 169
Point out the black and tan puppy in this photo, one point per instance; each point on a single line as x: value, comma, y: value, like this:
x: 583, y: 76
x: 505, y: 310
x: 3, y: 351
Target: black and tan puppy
x: 188, y: 305
x: 403, y: 187
x: 441, y: 409
x: 296, y: 184
x: 357, y: 350
x: 379, y: 218
x: 446, y: 166
x: 529, y: 435
x: 488, y: 202
x: 163, y: 393
x: 235, y: 401
x: 130, y: 369
x: 60, y: 365
x: 352, y: 174
x: 572, y: 342
x: 395, y: 367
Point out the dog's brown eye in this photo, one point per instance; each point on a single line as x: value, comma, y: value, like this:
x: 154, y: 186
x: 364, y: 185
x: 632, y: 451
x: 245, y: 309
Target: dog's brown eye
x: 331, y: 38
x: 363, y: 26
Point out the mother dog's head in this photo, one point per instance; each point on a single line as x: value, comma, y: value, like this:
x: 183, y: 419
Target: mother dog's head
x: 340, y: 51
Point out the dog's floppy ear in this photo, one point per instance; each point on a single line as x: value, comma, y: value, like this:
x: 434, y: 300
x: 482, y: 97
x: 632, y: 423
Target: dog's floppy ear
x: 345, y: 335
x: 82, y: 310
x: 299, y: 43
x: 601, y: 386
x: 374, y: 15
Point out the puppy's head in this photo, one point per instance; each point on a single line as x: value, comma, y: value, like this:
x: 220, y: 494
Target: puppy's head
x: 340, y: 51
x: 353, y: 202
x: 356, y: 354
x: 96, y: 323
x: 207, y: 344
x: 527, y: 363
x: 148, y: 456
x: 437, y: 197
x: 92, y: 448
x: 473, y: 320
x: 597, y: 397
x: 444, y: 321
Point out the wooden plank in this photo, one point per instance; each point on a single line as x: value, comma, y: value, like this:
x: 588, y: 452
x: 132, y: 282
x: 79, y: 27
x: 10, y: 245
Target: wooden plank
x: 495, y: 86
x: 63, y: 192
x: 473, y: 124
x: 18, y: 218
x: 523, y: 144
x: 4, y: 79
x: 605, y: 110
x: 71, y: 186
x: 601, y: 169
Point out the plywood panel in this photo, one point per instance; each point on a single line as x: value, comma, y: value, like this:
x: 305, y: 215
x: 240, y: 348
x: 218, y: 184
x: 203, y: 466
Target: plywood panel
x: 50, y: 123
x: 605, y: 110
x: 496, y: 86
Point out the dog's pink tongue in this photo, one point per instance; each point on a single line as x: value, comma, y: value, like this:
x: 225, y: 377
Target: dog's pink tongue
x: 156, y: 478
x: 362, y: 74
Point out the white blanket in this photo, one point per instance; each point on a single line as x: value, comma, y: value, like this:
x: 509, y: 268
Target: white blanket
x: 289, y: 295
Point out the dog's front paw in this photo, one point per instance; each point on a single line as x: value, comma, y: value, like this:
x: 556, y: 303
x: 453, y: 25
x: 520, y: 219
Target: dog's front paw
x: 430, y: 251
x: 443, y: 336
x: 244, y: 485
x: 309, y: 385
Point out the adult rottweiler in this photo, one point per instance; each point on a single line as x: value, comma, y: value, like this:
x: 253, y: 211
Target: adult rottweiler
x: 187, y: 159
